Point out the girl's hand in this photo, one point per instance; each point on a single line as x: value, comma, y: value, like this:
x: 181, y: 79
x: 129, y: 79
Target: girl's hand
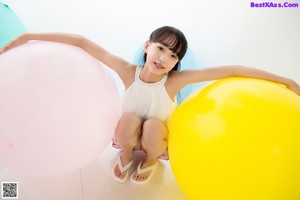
x: 294, y: 87
x: 14, y: 43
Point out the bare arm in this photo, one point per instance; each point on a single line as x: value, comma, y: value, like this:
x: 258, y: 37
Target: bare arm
x: 214, y: 73
x: 119, y: 65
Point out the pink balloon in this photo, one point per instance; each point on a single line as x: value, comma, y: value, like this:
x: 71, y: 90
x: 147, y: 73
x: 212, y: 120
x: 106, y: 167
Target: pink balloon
x: 58, y: 108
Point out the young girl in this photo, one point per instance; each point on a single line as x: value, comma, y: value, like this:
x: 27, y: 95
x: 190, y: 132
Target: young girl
x: 150, y: 92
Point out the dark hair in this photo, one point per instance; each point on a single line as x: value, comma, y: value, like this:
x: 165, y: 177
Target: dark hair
x: 173, y: 38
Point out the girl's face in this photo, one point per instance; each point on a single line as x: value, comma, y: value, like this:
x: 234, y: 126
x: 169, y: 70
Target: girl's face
x: 160, y: 59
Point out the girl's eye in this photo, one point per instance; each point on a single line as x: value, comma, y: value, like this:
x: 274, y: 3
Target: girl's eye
x: 174, y: 56
x: 160, y: 48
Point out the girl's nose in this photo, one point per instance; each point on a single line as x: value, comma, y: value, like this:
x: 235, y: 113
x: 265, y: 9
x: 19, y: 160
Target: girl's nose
x: 161, y: 58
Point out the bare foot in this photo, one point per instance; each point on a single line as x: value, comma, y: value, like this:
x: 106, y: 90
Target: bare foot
x: 144, y: 171
x: 120, y: 170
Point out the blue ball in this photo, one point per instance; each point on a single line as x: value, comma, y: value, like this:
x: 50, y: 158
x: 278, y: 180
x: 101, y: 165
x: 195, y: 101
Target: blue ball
x: 10, y: 25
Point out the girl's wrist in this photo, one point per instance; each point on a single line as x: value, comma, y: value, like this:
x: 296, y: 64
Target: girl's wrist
x: 30, y: 36
x: 25, y: 37
x: 290, y: 83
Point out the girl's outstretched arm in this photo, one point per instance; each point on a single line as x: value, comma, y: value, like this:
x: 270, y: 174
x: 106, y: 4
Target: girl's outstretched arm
x: 119, y: 65
x: 214, y: 73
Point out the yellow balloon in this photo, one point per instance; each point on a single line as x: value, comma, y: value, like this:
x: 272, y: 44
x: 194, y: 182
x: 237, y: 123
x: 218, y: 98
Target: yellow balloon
x: 237, y: 139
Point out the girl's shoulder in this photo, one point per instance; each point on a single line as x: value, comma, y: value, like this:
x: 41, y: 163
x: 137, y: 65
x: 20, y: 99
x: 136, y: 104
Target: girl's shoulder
x: 178, y: 79
x: 173, y: 83
x: 174, y: 76
x: 128, y: 75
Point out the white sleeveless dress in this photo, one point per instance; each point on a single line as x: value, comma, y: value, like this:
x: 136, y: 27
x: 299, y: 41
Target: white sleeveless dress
x: 148, y: 100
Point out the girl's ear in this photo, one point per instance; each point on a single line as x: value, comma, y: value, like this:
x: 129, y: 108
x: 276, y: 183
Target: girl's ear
x: 147, y: 44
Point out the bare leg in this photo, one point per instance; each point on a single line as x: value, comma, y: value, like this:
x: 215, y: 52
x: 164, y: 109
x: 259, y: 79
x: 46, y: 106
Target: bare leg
x: 154, y: 141
x: 127, y: 134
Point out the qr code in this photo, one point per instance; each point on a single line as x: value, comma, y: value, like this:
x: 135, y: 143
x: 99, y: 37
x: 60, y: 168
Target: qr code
x: 9, y: 190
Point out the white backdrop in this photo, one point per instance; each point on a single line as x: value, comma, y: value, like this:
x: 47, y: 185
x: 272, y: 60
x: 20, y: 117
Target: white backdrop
x: 219, y: 32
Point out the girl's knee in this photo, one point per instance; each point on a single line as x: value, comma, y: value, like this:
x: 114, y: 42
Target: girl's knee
x: 129, y: 124
x: 130, y: 117
x: 154, y: 130
x: 154, y: 124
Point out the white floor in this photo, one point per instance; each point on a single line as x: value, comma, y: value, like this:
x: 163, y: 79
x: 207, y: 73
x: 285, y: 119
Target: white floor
x: 94, y: 182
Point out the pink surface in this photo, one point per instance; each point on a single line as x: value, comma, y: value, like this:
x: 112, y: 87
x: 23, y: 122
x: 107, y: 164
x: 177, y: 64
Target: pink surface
x: 58, y: 108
